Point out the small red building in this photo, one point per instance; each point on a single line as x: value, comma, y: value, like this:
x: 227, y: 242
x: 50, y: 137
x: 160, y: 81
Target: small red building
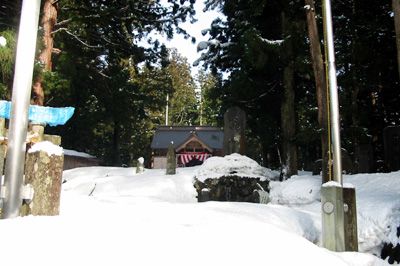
x: 193, y: 144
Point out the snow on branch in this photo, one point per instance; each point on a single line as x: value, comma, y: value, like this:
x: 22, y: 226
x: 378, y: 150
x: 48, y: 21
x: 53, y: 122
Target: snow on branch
x: 272, y: 42
x: 205, y: 44
x: 212, y: 4
x: 205, y: 31
x: 202, y: 46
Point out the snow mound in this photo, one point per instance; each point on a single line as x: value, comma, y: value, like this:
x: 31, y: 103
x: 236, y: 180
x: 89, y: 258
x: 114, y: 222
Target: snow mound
x: 234, y: 164
x: 114, y: 183
x: 48, y: 147
x: 297, y: 190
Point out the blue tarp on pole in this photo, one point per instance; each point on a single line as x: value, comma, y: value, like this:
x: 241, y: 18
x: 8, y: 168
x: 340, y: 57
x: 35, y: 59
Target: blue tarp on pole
x: 41, y: 114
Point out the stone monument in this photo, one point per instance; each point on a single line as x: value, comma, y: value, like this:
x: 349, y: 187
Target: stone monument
x: 234, y: 131
x: 365, y: 155
x: 171, y: 160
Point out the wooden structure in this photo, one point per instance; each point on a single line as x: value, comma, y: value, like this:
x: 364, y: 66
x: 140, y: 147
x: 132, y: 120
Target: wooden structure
x: 192, y: 144
x: 74, y: 159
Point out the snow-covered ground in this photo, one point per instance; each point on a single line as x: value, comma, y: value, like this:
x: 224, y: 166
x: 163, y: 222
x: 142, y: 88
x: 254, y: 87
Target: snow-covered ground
x: 113, y: 216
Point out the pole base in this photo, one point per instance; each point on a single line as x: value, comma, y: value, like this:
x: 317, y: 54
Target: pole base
x: 332, y: 218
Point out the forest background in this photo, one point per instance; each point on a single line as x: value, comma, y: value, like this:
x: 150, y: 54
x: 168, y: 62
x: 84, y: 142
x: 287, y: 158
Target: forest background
x: 263, y: 57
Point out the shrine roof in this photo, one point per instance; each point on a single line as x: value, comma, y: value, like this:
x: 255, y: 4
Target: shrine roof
x: 211, y: 136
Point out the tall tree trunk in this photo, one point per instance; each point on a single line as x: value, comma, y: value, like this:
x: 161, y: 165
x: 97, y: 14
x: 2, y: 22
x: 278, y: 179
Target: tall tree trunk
x: 320, y: 84
x: 355, y: 118
x: 116, y: 147
x: 396, y: 10
x: 48, y: 20
x: 288, y: 122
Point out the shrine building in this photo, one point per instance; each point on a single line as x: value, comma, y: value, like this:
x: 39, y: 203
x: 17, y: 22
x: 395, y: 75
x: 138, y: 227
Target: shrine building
x: 192, y: 144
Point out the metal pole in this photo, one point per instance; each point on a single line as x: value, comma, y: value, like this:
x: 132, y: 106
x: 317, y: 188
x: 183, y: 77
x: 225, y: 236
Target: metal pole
x: 333, y: 211
x: 19, y: 111
x: 333, y: 95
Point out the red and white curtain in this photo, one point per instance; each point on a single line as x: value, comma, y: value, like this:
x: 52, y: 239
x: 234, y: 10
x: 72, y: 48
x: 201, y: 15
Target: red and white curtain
x: 187, y: 157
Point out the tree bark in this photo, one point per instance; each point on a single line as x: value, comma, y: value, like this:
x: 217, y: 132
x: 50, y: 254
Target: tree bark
x: 116, y: 147
x: 355, y: 118
x: 355, y: 122
x: 320, y: 84
x: 396, y: 10
x: 48, y: 20
x: 288, y: 122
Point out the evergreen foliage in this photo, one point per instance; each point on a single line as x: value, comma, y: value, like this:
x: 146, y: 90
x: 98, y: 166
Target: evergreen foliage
x: 7, y: 57
x: 119, y: 85
x: 210, y: 103
x: 102, y: 44
x: 183, y: 102
x: 252, y: 45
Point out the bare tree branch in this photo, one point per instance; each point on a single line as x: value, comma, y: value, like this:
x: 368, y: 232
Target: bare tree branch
x: 102, y: 74
x: 75, y: 37
x: 61, y: 23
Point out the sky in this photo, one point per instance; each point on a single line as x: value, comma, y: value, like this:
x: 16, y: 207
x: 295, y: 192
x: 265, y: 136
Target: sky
x: 186, y: 47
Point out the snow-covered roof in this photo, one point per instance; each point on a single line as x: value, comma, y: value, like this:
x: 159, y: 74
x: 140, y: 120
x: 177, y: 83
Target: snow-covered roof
x: 213, y: 137
x: 78, y: 154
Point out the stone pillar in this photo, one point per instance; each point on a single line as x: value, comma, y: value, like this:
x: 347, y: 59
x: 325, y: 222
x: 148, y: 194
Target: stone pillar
x: 234, y: 131
x: 44, y: 173
x: 171, y: 160
x: 3, y: 146
x: 333, y: 237
x: 56, y: 140
x: 140, y: 165
x: 38, y: 130
x: 2, y: 127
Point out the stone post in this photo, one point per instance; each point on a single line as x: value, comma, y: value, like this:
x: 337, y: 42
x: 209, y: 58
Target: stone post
x: 3, y: 146
x: 2, y: 127
x: 38, y: 130
x: 333, y: 237
x: 43, y: 171
x: 171, y: 160
x: 140, y: 165
x: 56, y: 140
x: 350, y: 219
